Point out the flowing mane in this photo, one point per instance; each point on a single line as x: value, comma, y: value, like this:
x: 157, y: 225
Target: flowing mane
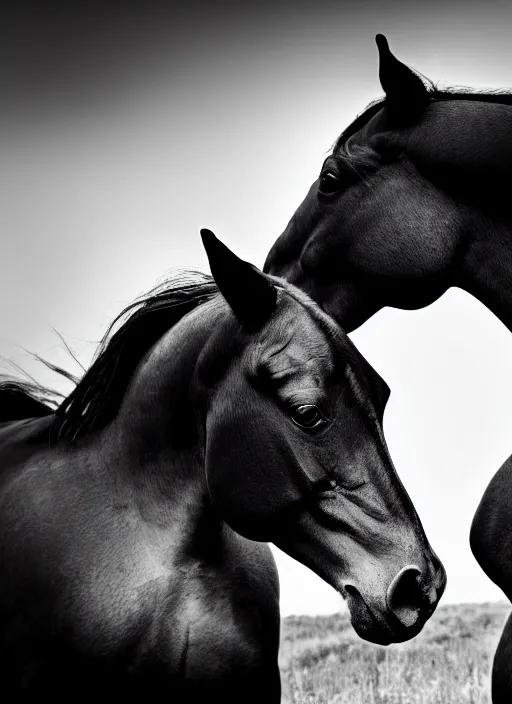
x: 98, y: 394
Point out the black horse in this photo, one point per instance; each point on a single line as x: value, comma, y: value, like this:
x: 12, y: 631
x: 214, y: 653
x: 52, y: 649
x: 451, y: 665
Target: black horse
x: 133, y: 519
x: 415, y: 199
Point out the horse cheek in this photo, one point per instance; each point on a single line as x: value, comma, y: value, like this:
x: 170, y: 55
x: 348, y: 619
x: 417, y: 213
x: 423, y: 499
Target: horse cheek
x: 406, y: 241
x: 248, y: 476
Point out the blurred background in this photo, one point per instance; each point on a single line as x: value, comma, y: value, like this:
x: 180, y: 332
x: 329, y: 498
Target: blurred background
x: 126, y: 127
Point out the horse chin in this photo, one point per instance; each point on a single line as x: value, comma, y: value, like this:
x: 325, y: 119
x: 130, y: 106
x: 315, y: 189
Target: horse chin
x: 373, y: 626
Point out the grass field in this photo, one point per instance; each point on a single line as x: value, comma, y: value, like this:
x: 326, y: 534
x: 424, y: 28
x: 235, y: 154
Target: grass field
x: 323, y: 661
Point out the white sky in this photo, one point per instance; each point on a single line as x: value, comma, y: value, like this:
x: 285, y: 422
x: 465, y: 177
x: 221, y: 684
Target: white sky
x: 97, y: 204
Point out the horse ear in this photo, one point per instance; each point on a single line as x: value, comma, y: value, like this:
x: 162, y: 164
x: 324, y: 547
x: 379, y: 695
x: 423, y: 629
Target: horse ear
x: 249, y: 293
x: 406, y: 94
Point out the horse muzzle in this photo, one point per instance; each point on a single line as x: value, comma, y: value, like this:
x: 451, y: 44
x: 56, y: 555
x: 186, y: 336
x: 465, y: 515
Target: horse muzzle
x: 410, y: 600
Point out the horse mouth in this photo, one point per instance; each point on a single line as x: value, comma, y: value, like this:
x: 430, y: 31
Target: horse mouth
x: 375, y: 627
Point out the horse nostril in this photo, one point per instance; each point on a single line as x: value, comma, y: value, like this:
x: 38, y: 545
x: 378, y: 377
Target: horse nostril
x: 405, y: 597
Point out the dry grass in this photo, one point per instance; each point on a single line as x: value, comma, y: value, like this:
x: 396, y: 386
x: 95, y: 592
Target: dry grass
x: 323, y: 661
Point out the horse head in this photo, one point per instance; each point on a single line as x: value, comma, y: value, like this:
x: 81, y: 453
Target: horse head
x: 406, y: 203
x: 295, y: 453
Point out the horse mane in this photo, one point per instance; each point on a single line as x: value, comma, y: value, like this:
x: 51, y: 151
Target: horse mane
x: 340, y: 147
x: 97, y: 396
x: 24, y: 399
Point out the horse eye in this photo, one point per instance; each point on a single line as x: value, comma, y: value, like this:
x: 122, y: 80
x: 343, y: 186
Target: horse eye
x: 329, y: 183
x: 308, y: 417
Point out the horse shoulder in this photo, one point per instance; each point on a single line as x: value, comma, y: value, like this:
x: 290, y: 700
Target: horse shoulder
x: 233, y: 612
x: 64, y: 534
x: 67, y: 536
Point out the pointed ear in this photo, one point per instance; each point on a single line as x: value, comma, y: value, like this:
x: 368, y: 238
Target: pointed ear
x: 406, y: 94
x: 249, y: 293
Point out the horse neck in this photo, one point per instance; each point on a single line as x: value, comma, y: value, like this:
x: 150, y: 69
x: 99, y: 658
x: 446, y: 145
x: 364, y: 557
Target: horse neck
x: 155, y: 443
x: 485, y: 265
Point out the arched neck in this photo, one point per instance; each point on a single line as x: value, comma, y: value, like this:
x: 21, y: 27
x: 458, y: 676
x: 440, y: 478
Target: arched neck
x: 155, y: 444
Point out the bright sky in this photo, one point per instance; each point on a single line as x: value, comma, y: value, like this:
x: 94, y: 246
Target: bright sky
x: 104, y: 189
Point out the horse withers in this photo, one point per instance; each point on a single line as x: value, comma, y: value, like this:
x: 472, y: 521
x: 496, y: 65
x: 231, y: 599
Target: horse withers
x: 221, y: 415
